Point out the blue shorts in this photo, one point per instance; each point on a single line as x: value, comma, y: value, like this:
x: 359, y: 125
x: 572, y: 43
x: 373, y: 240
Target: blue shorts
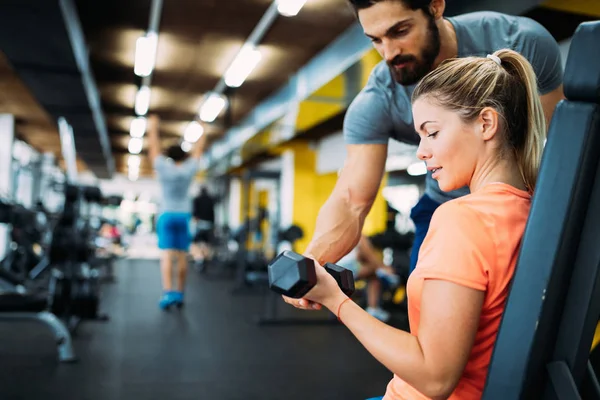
x: 421, y: 215
x: 173, y: 230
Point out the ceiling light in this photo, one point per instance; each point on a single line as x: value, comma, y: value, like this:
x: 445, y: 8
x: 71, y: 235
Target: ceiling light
x: 142, y: 100
x: 135, y: 145
x: 289, y: 8
x: 145, y: 54
x: 138, y: 127
x: 417, y: 169
x: 193, y: 132
x: 212, y: 107
x: 186, y: 146
x: 134, y: 175
x: 242, y: 66
x: 133, y: 161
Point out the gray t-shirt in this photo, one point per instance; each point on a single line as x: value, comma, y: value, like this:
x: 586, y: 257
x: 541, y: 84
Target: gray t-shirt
x: 382, y: 110
x: 175, y: 181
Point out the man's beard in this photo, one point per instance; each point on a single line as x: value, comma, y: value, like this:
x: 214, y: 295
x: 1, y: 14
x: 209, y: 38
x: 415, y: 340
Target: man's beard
x: 417, y: 68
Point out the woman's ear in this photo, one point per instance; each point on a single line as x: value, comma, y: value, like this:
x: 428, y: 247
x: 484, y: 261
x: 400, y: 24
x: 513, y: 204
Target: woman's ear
x: 488, y: 121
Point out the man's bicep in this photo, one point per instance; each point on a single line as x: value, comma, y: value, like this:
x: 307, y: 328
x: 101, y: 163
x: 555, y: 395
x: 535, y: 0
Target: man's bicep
x: 362, y: 172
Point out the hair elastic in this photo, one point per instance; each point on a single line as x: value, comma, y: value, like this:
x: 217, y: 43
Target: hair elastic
x: 495, y: 58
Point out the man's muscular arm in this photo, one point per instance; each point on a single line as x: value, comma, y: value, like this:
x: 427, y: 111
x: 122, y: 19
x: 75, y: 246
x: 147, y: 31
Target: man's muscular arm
x: 340, y: 220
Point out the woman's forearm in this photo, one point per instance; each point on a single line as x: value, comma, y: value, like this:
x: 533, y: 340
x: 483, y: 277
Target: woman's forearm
x: 397, y: 350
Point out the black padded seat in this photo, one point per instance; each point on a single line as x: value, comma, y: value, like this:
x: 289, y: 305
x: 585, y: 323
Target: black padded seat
x: 553, y: 306
x: 16, y: 302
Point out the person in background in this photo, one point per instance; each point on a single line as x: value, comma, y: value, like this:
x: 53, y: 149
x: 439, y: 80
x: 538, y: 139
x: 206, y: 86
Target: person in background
x: 204, y: 217
x: 175, y: 170
x: 365, y: 264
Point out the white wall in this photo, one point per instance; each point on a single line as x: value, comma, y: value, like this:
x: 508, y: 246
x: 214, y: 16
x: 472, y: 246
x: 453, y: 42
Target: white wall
x: 331, y: 153
x: 120, y: 185
x: 235, y: 198
x: 286, y: 193
x: 7, y: 132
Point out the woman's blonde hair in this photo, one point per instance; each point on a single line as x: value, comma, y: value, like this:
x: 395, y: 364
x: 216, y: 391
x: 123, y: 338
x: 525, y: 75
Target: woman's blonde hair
x: 468, y: 85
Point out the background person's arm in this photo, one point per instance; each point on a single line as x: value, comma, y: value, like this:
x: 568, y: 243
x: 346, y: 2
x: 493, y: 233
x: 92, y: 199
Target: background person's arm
x: 199, y: 147
x: 154, y: 147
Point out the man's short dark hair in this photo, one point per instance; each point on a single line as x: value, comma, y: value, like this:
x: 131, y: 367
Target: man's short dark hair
x: 410, y: 4
x: 176, y: 153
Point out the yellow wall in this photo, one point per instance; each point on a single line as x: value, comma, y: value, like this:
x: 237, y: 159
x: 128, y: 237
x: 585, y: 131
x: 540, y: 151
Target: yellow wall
x: 376, y: 220
x: 305, y: 209
x: 587, y: 7
x: 313, y: 111
x: 367, y: 63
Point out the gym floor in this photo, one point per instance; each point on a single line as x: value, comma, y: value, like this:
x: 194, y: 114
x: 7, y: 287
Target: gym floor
x: 212, y: 349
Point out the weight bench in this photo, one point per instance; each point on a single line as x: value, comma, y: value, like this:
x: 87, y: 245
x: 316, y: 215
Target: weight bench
x: 543, y: 345
x: 21, y: 307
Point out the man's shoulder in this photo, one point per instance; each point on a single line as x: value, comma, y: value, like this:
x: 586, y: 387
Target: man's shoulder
x: 488, y: 30
x: 375, y: 95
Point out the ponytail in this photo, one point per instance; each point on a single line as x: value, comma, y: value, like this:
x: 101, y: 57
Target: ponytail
x: 529, y: 151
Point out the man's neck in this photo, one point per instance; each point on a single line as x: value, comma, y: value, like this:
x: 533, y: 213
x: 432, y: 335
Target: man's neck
x: 448, y: 42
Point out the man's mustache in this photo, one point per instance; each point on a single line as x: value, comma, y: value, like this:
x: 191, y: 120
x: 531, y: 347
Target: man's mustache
x: 401, y: 59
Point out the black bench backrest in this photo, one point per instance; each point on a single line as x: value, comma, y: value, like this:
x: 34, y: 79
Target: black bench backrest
x: 556, y: 258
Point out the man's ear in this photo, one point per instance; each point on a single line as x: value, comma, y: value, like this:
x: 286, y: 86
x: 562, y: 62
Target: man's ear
x: 488, y: 122
x: 437, y: 8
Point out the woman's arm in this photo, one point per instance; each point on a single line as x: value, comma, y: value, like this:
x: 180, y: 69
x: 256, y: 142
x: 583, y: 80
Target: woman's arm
x: 433, y: 361
x: 154, y: 147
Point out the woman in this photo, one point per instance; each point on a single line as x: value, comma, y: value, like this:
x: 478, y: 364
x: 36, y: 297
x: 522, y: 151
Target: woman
x: 481, y: 124
x: 176, y: 171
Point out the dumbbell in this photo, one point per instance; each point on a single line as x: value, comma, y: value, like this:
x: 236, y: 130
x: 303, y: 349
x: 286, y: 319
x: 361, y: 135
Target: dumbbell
x: 293, y: 275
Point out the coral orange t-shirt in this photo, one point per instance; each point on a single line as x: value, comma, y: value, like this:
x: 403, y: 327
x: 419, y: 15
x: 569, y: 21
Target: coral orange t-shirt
x: 473, y: 241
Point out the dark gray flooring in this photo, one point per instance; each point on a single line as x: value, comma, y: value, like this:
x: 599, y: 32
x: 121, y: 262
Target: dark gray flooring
x: 212, y: 349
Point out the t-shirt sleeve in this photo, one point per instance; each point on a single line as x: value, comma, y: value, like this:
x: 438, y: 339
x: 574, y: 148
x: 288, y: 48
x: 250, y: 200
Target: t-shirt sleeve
x: 160, y: 163
x: 537, y: 45
x: 457, y: 248
x: 192, y: 165
x: 368, y: 119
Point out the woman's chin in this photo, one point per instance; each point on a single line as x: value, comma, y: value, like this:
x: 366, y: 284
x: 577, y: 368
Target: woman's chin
x: 447, y: 186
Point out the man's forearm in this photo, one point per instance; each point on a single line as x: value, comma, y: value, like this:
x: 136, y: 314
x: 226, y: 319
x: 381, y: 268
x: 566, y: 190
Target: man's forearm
x: 338, y: 230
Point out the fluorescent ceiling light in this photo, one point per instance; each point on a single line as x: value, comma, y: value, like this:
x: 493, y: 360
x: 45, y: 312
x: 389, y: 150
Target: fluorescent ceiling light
x: 134, y: 175
x: 138, y: 127
x: 142, y: 100
x: 193, y: 132
x: 212, y: 107
x: 145, y: 54
x: 417, y: 169
x: 289, y: 8
x: 135, y: 145
x: 248, y: 57
x: 186, y: 146
x: 133, y: 161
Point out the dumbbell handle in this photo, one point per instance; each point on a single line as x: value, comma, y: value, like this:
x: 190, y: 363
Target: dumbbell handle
x: 335, y: 271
